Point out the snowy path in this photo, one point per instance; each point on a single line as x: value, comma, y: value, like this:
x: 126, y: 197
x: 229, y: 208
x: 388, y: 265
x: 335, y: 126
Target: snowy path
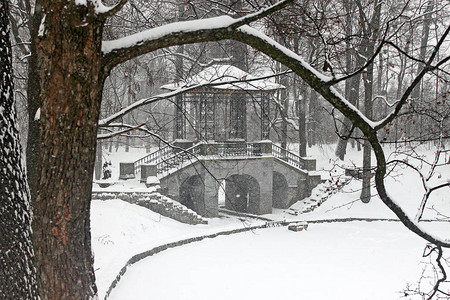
x: 357, y: 260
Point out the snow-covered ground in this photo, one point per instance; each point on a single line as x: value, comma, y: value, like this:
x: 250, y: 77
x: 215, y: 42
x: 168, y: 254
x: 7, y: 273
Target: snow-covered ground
x: 329, y: 261
x: 354, y: 260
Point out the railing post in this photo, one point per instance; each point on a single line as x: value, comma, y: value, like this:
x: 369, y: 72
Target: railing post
x: 126, y: 171
x: 310, y: 164
x: 266, y: 147
x: 183, y: 144
x: 209, y: 149
x: 148, y: 170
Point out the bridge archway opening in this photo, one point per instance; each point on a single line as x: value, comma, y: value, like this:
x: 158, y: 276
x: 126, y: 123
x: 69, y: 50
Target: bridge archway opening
x: 242, y: 194
x: 192, y: 194
x: 279, y: 191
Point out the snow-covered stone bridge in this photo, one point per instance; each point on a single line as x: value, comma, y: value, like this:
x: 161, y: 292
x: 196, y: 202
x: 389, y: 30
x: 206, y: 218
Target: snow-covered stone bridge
x: 245, y: 177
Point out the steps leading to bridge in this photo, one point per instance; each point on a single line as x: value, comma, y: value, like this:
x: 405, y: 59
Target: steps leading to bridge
x: 157, y: 203
x: 319, y: 195
x: 172, y: 209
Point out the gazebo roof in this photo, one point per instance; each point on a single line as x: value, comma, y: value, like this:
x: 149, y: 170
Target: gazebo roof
x: 220, y: 75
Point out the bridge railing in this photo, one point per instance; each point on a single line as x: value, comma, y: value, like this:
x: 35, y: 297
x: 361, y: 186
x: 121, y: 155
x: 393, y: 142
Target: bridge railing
x: 288, y: 156
x: 168, y: 157
x: 235, y: 149
x: 153, y: 158
x: 177, y: 159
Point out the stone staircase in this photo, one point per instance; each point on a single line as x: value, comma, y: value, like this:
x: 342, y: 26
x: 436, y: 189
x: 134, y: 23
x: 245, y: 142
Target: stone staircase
x: 319, y: 195
x: 172, y: 209
x: 157, y: 203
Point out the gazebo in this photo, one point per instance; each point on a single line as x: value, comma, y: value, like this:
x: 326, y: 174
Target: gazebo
x: 215, y: 108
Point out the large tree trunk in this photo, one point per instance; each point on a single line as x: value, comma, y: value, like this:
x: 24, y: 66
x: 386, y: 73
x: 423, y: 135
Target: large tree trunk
x: 17, y: 273
x: 69, y: 65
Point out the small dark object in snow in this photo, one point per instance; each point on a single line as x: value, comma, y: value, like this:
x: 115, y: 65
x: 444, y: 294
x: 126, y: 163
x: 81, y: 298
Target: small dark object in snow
x: 298, y: 227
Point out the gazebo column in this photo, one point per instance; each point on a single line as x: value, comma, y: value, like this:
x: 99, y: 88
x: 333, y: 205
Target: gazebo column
x: 238, y: 116
x: 180, y: 119
x: 207, y: 116
x: 265, y: 120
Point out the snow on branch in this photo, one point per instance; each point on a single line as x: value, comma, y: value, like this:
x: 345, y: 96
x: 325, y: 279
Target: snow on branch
x: 211, y: 62
x: 100, y: 9
x: 222, y: 27
x: 114, y: 9
x: 319, y: 82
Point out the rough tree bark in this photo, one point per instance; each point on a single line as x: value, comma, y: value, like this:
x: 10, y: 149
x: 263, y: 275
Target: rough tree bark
x: 68, y: 50
x: 17, y: 273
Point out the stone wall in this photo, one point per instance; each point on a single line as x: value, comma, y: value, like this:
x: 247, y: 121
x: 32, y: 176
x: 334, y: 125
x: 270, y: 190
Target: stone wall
x: 155, y: 202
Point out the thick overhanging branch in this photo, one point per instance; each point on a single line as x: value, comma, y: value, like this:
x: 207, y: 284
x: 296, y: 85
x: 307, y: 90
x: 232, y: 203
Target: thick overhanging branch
x: 180, y: 33
x: 369, y: 128
x: 316, y: 80
x: 126, y: 49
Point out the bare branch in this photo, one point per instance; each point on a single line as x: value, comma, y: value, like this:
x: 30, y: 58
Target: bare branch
x: 441, y: 268
x: 113, y: 134
x: 427, y: 68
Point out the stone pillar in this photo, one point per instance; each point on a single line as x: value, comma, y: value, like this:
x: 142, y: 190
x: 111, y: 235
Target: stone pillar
x: 211, y: 197
x: 126, y: 171
x: 310, y: 164
x: 208, y: 149
x: 313, y: 181
x: 183, y: 144
x: 266, y: 147
x: 303, y: 187
x: 265, y: 186
x: 98, y: 161
x: 147, y: 171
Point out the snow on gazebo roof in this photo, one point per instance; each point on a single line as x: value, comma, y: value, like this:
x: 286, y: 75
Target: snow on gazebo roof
x: 226, y: 77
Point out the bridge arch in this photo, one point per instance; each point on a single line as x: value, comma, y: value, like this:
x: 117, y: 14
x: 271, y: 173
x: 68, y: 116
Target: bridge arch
x: 242, y: 194
x: 192, y: 193
x: 279, y: 190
